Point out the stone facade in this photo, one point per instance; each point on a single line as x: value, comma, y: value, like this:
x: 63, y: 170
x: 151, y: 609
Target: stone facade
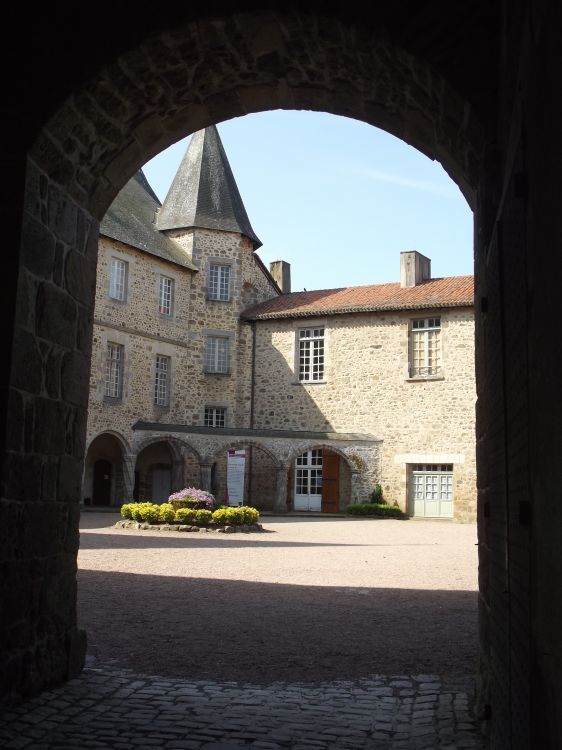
x: 375, y: 421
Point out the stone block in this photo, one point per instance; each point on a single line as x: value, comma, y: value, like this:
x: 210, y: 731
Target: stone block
x: 27, y: 363
x: 62, y: 215
x: 56, y: 316
x: 75, y: 375
x: 70, y: 479
x: 37, y: 248
x: 80, y: 277
x: 50, y: 421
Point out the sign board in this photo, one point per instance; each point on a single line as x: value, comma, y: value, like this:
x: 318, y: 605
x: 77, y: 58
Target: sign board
x: 236, y: 464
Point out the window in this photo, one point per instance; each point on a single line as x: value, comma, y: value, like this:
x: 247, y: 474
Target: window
x: 165, y: 295
x: 114, y: 371
x: 118, y: 279
x: 432, y: 490
x: 219, y: 282
x: 216, y: 354
x: 426, y: 347
x: 311, y: 354
x: 162, y: 380
x: 215, y: 416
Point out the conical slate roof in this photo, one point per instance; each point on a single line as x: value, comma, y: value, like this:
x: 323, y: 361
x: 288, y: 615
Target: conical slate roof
x: 130, y: 219
x: 204, y: 192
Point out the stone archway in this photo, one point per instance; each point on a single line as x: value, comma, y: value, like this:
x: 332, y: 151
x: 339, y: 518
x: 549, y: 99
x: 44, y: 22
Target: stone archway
x: 154, y: 472
x: 105, y: 474
x: 260, y: 474
x: 424, y: 81
x: 319, y: 479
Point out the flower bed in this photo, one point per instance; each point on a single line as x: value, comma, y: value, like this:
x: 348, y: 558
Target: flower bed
x: 145, y: 515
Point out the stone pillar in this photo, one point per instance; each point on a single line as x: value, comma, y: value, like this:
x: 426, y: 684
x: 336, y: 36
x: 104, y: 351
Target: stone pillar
x: 206, y: 469
x: 355, y: 493
x: 129, y: 462
x: 281, y: 490
x: 178, y: 474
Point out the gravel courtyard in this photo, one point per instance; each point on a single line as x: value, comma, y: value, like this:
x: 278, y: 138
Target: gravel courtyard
x: 310, y: 599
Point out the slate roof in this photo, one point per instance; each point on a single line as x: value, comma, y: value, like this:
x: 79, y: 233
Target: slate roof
x: 130, y: 219
x: 452, y: 291
x: 204, y: 192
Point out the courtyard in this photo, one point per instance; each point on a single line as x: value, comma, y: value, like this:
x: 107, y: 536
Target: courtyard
x: 317, y: 632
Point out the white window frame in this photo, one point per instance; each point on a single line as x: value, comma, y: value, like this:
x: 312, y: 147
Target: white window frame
x: 166, y: 296
x: 219, y: 281
x: 162, y: 380
x: 118, y: 279
x: 311, y: 354
x: 113, y: 383
x: 214, y: 416
x: 425, y: 348
x: 217, y: 354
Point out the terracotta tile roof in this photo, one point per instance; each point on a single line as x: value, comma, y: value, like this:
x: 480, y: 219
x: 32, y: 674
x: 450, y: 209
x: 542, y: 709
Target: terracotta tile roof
x: 452, y: 291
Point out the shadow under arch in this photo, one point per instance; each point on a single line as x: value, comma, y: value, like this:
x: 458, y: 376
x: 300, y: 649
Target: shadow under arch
x: 105, y: 471
x: 125, y: 447
x: 261, y: 471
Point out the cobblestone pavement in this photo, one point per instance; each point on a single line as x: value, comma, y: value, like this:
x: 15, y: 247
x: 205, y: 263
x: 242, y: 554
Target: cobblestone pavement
x: 125, y: 711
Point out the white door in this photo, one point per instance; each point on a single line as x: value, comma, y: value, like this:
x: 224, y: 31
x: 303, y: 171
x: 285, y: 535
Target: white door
x: 308, y: 481
x: 432, y: 490
x: 161, y: 484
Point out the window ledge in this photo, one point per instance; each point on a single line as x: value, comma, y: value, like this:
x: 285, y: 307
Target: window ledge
x: 223, y: 301
x: 113, y: 399
x: 424, y: 378
x: 220, y: 374
x: 309, y: 382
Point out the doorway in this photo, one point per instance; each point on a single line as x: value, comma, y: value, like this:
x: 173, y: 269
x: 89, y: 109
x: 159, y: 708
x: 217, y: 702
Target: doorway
x: 101, y: 494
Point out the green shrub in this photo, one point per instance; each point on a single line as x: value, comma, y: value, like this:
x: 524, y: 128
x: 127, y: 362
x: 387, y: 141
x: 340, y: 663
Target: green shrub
x: 137, y: 508
x: 166, y: 513
x: 127, y: 510
x: 185, y: 515
x: 236, y: 516
x: 375, y: 509
x: 203, y: 516
x: 251, y: 515
x: 150, y: 513
x: 376, y: 495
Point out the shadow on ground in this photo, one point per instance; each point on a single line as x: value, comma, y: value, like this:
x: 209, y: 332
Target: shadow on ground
x: 199, y: 629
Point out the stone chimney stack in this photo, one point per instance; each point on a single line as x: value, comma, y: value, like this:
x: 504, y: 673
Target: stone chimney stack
x: 281, y: 272
x: 414, y: 268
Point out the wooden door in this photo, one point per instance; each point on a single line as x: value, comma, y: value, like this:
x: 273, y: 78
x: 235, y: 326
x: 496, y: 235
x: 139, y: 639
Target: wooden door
x: 330, y: 483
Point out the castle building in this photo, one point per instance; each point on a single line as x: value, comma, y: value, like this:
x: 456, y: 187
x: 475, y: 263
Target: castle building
x: 201, y: 355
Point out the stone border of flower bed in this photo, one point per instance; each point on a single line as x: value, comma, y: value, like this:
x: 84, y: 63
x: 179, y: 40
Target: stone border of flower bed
x: 142, y: 525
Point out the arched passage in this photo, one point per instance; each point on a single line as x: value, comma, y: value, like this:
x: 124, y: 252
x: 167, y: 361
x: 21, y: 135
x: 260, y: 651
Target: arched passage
x: 319, y: 480
x: 104, y: 483
x: 147, y: 98
x: 260, y: 474
x: 154, y: 467
x: 493, y: 57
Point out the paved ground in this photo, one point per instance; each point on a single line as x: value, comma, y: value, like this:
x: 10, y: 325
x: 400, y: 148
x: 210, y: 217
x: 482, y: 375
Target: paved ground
x: 318, y: 633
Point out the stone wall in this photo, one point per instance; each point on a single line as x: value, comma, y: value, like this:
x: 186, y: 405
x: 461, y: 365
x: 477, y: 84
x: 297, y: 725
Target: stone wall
x: 367, y: 389
x: 137, y: 325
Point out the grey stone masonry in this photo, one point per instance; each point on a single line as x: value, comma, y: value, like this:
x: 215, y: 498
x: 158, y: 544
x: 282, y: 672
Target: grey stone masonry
x: 122, y: 710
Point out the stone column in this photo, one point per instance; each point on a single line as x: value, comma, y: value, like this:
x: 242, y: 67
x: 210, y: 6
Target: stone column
x: 129, y: 462
x: 355, y: 490
x: 178, y: 474
x: 206, y: 469
x: 281, y: 490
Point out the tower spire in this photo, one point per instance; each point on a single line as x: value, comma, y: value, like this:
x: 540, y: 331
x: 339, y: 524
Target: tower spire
x: 204, y: 192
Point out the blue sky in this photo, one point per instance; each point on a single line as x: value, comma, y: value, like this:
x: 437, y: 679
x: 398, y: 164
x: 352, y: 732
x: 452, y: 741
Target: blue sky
x: 336, y: 198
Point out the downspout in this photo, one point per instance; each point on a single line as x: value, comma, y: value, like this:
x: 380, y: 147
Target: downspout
x: 252, y: 392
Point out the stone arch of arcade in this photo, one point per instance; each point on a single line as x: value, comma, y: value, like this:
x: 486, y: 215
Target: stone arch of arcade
x: 164, y: 461
x: 106, y: 469
x: 83, y: 120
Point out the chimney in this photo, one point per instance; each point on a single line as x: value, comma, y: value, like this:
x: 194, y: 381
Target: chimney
x: 281, y: 272
x: 414, y: 268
